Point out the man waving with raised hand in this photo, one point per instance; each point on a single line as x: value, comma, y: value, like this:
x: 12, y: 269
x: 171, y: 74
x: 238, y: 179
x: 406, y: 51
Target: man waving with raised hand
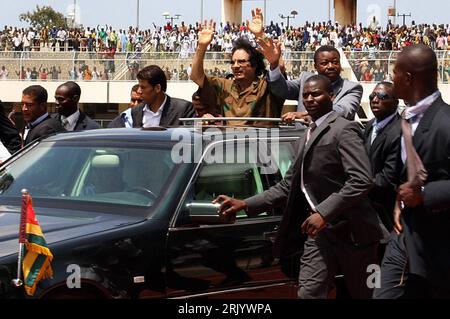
x: 247, y: 94
x: 347, y: 94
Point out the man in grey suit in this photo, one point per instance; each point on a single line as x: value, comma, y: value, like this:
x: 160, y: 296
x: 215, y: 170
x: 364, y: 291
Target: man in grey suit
x: 347, y: 94
x: 158, y: 108
x: 325, y: 198
x: 67, y: 96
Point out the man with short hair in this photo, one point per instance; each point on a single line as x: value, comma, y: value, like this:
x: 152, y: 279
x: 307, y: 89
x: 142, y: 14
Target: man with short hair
x: 158, y: 108
x: 347, y: 94
x: 247, y: 94
x: 382, y: 141
x: 9, y: 135
x: 324, y: 194
x: 135, y: 100
x: 67, y: 96
x: 39, y: 124
x: 416, y: 263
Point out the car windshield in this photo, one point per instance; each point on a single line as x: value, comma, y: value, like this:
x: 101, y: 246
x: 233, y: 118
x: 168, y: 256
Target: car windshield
x: 87, y: 173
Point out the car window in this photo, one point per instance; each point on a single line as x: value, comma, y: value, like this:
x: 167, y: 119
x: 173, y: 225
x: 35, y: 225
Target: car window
x: 286, y: 155
x: 113, y: 175
x: 242, y: 173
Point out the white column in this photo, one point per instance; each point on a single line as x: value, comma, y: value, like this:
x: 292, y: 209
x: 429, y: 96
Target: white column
x: 232, y: 11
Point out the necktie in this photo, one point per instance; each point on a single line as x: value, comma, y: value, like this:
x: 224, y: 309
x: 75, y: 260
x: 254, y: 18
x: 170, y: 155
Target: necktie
x: 376, y: 129
x: 417, y: 174
x: 311, y: 129
x: 65, y: 123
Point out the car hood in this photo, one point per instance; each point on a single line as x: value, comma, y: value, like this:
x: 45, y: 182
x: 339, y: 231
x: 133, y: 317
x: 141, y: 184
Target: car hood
x: 57, y: 225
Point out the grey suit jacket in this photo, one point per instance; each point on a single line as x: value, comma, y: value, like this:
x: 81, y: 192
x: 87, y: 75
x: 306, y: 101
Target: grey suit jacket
x: 347, y: 99
x: 173, y: 110
x: 337, y: 177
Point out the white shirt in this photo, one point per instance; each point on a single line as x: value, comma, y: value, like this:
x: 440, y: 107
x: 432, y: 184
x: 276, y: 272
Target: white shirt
x: 302, y: 185
x: 151, y: 118
x: 415, y: 114
x: 127, y: 118
x: 4, y: 153
x: 73, y: 118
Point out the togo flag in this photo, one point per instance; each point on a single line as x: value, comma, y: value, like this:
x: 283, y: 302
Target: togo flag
x: 37, y: 256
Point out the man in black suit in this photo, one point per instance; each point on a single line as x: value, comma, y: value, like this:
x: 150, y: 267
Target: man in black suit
x: 325, y: 193
x: 158, y: 108
x: 67, y: 96
x: 38, y: 121
x: 416, y: 263
x: 9, y: 135
x: 382, y: 141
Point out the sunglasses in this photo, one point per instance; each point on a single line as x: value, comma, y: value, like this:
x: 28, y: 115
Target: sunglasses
x: 380, y: 95
x: 239, y: 62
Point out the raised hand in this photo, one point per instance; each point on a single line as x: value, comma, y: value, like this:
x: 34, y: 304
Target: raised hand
x: 257, y: 25
x: 206, y: 33
x: 270, y: 50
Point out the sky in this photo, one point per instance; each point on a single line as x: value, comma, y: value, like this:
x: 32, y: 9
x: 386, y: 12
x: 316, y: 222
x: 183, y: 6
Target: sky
x: 123, y: 13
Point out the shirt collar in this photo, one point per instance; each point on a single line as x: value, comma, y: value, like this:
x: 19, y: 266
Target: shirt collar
x: 72, y: 118
x: 147, y: 108
x: 337, y: 83
x: 384, y: 122
x: 421, y: 106
x: 322, y: 118
x: 39, y: 120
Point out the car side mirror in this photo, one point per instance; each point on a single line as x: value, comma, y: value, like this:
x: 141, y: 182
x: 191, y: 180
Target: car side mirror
x: 208, y: 213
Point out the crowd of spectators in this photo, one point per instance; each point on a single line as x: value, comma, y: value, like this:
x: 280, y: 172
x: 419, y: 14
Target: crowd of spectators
x: 180, y: 42
x: 183, y: 38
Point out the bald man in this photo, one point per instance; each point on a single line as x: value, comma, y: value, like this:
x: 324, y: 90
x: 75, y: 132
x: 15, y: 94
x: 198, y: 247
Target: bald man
x: 67, y: 96
x: 325, y: 198
x: 416, y: 263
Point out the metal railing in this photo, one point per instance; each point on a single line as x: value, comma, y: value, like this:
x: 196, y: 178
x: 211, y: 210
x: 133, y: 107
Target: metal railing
x: 76, y: 65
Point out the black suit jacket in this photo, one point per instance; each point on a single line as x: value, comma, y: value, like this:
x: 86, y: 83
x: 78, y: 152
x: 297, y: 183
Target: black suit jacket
x: 173, y: 110
x: 9, y: 135
x: 45, y: 128
x: 427, y: 227
x: 337, y: 177
x: 384, y: 157
x: 86, y: 123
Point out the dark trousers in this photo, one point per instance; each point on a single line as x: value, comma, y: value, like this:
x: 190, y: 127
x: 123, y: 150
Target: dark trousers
x: 326, y: 256
x: 397, y: 283
x: 393, y: 270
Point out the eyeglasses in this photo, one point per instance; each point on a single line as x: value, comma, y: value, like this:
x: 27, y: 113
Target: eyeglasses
x: 239, y: 62
x: 380, y: 95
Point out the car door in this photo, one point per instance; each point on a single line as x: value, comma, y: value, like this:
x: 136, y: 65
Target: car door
x: 228, y: 259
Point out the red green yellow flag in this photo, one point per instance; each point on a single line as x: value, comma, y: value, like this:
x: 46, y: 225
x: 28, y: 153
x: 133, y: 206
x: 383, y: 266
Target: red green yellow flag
x: 36, y: 264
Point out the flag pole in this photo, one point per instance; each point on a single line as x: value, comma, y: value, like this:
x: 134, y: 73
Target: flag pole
x: 22, y: 237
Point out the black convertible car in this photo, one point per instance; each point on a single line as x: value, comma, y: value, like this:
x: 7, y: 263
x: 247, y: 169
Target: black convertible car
x: 127, y: 213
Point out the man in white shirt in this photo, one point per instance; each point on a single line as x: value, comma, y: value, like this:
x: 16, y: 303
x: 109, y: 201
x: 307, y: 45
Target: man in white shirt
x: 158, y: 108
x: 416, y: 262
x: 67, y: 96
x: 39, y: 124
